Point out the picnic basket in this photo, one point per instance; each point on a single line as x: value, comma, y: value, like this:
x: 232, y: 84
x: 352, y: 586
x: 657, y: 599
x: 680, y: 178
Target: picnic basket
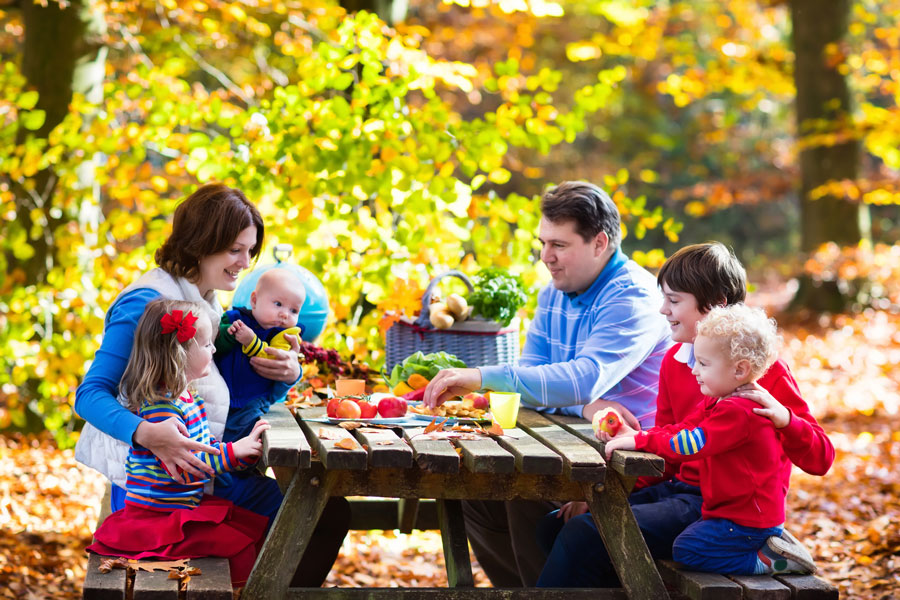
x: 477, y: 342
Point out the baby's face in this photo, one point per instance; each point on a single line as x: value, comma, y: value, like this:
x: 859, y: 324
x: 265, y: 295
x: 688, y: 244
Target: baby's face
x: 716, y: 373
x: 277, y: 304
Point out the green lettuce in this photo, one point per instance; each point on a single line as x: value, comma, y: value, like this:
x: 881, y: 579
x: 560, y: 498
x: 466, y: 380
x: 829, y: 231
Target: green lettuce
x: 426, y: 365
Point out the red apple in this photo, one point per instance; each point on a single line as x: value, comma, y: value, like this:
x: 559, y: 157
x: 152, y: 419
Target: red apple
x: 348, y: 409
x: 477, y: 401
x: 367, y: 411
x: 391, y: 407
x: 331, y: 408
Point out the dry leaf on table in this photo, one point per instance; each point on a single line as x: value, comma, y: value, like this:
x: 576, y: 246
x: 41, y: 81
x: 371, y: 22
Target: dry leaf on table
x: 345, y: 444
x: 157, y: 565
x: 326, y: 434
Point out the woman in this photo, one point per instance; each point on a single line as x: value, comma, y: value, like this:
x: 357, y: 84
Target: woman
x: 216, y: 234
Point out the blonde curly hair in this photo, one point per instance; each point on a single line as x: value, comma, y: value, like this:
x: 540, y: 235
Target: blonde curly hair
x: 746, y: 333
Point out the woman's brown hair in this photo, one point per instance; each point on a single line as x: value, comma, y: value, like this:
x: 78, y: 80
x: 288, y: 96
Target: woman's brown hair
x: 156, y: 367
x: 206, y: 223
x: 709, y: 272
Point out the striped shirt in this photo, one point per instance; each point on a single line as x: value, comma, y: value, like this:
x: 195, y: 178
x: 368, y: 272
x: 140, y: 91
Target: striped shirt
x: 607, y: 342
x: 148, y: 483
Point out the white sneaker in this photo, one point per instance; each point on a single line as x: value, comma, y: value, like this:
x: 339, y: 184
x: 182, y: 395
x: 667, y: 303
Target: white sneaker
x: 798, y: 558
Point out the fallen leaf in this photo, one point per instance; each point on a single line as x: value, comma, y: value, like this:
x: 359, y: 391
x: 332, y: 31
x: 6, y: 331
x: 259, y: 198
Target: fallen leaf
x: 495, y: 429
x: 345, y: 444
x: 108, y: 564
x: 157, y: 565
x: 350, y: 425
x: 384, y: 442
x: 327, y: 434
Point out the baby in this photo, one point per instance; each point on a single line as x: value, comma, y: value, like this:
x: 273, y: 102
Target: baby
x: 275, y: 306
x: 738, y: 452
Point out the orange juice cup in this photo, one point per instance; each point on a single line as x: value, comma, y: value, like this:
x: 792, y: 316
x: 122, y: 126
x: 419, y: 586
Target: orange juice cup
x: 505, y: 408
x: 350, y: 387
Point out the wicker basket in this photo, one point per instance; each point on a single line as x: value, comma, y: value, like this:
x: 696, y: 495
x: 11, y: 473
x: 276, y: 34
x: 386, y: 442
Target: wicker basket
x: 476, y: 342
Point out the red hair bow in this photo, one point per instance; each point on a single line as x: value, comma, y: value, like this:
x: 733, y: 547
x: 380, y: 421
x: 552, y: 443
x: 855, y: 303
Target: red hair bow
x: 182, y: 324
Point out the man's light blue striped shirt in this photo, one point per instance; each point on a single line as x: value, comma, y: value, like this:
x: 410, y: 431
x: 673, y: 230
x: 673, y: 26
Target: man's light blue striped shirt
x: 606, y: 343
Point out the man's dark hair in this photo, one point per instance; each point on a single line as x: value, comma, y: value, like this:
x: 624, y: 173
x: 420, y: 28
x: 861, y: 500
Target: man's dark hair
x: 709, y: 272
x: 206, y: 223
x: 588, y: 206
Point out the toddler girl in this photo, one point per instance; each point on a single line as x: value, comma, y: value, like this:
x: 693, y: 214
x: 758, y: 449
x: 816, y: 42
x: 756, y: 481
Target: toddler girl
x: 162, y: 518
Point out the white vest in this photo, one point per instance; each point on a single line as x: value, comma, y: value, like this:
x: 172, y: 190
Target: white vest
x: 106, y: 454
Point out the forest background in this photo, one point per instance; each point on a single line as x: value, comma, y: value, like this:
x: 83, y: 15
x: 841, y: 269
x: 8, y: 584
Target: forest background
x: 389, y: 145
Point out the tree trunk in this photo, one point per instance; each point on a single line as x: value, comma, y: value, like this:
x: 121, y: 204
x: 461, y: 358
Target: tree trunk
x: 62, y: 54
x: 823, y: 97
x: 390, y: 11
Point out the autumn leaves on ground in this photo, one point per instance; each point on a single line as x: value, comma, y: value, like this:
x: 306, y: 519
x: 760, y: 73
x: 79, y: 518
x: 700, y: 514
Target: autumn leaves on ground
x: 850, y: 519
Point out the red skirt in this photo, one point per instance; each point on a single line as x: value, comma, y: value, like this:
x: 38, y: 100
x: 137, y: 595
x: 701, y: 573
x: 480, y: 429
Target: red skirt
x: 215, y: 528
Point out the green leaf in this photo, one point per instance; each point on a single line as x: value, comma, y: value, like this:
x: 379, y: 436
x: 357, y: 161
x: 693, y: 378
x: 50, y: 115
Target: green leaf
x: 33, y: 119
x: 27, y: 100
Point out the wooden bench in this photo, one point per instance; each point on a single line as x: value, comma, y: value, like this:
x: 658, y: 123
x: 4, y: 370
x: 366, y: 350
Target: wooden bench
x: 121, y: 584
x: 710, y: 586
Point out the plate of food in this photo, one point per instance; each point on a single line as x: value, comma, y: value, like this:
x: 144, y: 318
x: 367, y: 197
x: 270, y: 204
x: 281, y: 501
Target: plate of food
x: 467, y: 409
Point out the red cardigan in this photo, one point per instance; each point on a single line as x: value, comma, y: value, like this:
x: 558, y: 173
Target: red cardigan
x: 739, y: 457
x: 804, y: 441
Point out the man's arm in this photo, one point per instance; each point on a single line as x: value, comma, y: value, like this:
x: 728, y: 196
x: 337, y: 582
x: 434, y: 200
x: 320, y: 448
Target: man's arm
x: 619, y: 341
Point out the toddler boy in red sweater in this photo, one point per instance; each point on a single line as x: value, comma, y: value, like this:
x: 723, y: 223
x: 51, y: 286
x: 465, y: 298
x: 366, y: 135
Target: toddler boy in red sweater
x: 737, y: 450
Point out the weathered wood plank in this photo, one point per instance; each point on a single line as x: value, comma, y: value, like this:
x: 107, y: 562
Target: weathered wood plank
x: 289, y: 535
x: 392, y: 513
x: 581, y: 462
x: 386, y: 448
x: 435, y: 456
x: 416, y: 483
x: 485, y: 456
x: 284, y: 444
x: 624, y: 462
x: 698, y: 586
x: 329, y: 455
x: 456, y: 544
x: 455, y: 594
x: 155, y: 585
x: 103, y: 586
x: 531, y: 455
x: 214, y: 582
x: 761, y: 587
x: 808, y: 587
x: 623, y: 539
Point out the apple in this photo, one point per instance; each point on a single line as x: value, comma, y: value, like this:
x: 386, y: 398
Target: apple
x: 608, y: 420
x: 477, y: 401
x: 331, y: 408
x: 348, y: 409
x: 391, y: 407
x: 367, y: 411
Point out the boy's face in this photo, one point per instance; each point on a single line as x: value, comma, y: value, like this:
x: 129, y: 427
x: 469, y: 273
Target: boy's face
x: 717, y: 375
x: 682, y: 313
x: 573, y: 263
x: 277, y: 304
x: 200, y: 350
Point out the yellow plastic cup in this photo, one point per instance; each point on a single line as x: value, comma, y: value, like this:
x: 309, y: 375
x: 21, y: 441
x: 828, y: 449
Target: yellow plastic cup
x: 505, y: 409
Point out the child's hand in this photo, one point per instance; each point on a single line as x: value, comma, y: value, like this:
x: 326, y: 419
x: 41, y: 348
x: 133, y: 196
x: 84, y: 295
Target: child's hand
x: 249, y: 448
x: 624, y: 431
x: 571, y: 509
x: 772, y: 409
x: 619, y: 443
x: 241, y: 332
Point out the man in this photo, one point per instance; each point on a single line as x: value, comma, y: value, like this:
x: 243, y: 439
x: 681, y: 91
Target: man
x: 597, y: 340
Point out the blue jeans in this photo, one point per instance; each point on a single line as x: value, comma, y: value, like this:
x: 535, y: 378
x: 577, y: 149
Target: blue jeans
x: 240, y: 420
x: 577, y: 556
x: 722, y: 546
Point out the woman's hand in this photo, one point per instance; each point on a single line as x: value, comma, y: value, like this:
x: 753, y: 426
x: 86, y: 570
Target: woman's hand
x: 449, y: 383
x: 772, y: 409
x: 168, y: 440
x: 619, y: 443
x: 571, y: 509
x: 281, y: 365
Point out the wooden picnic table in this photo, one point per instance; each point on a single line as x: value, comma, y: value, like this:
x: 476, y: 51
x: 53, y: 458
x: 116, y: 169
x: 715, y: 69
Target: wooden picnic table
x: 547, y: 457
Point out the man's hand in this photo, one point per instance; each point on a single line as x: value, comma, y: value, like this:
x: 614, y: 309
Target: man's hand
x: 571, y: 509
x: 168, y: 440
x: 599, y: 404
x: 619, y: 443
x: 241, y: 332
x: 249, y: 448
x: 772, y: 409
x: 280, y: 365
x: 449, y: 383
